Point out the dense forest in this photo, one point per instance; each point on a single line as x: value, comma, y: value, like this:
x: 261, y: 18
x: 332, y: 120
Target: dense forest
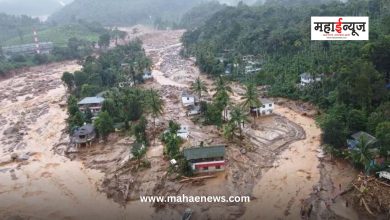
x: 16, y: 26
x: 123, y: 12
x: 199, y: 14
x: 352, y: 93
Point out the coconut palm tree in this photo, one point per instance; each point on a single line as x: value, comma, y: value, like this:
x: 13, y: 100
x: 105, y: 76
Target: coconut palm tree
x: 221, y: 96
x: 361, y: 154
x: 221, y: 86
x: 228, y: 131
x: 238, y: 117
x: 199, y: 86
x: 155, y: 104
x: 251, y: 97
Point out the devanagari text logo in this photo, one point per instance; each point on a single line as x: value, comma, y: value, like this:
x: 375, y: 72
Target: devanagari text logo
x: 339, y: 28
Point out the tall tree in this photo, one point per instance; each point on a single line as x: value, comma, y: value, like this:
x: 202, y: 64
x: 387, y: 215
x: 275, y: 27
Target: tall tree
x: 238, y: 117
x: 104, y: 40
x: 221, y: 95
x: 104, y: 125
x: 383, y: 135
x: 199, y: 86
x: 155, y: 105
x: 362, y: 155
x: 68, y: 79
x: 138, y: 150
x: 251, y: 97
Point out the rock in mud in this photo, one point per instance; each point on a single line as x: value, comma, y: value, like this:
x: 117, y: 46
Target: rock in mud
x: 14, y: 156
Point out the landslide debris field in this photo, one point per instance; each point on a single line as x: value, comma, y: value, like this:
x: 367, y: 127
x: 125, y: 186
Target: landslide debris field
x: 277, y: 150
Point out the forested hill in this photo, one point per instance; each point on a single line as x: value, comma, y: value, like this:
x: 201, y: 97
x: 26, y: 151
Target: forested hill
x: 353, y: 90
x: 199, y: 14
x: 124, y: 12
x: 16, y: 26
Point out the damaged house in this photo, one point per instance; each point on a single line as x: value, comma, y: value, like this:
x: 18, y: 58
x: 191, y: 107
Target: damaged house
x: 84, y: 135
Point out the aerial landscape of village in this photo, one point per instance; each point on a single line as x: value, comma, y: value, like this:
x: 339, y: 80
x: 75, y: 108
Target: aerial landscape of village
x: 195, y: 109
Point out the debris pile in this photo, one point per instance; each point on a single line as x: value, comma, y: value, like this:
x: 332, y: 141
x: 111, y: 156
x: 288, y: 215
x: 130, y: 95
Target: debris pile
x: 372, y: 194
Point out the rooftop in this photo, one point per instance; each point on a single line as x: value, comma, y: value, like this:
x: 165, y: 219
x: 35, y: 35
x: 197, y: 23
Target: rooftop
x: 84, y: 130
x: 91, y: 100
x: 371, y: 139
x: 185, y: 93
x: 265, y: 101
x: 183, y: 129
x: 194, y: 153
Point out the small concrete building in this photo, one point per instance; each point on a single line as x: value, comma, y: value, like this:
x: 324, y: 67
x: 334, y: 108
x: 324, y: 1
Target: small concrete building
x: 84, y: 135
x: 95, y: 104
x: 183, y: 132
x: 266, y: 108
x: 187, y: 99
x: 147, y: 75
x: 206, y: 159
x: 307, y: 78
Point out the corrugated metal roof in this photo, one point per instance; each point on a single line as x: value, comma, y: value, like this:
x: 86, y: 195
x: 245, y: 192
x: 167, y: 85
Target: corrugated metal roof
x: 370, y: 139
x: 204, y: 152
x: 91, y: 100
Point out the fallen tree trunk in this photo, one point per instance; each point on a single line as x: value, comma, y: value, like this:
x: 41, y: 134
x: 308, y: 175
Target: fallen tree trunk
x: 367, y: 208
x: 188, y: 179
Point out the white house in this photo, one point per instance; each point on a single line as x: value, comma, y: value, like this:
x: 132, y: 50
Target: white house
x: 307, y: 78
x: 147, y: 75
x: 183, y: 132
x: 266, y: 108
x: 187, y: 99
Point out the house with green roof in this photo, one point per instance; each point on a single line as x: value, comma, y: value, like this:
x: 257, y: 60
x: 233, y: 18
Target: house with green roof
x: 206, y: 159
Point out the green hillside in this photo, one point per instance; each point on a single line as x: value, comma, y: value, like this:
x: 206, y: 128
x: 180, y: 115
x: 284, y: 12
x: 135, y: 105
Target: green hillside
x: 57, y: 34
x: 352, y: 90
x: 123, y: 12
